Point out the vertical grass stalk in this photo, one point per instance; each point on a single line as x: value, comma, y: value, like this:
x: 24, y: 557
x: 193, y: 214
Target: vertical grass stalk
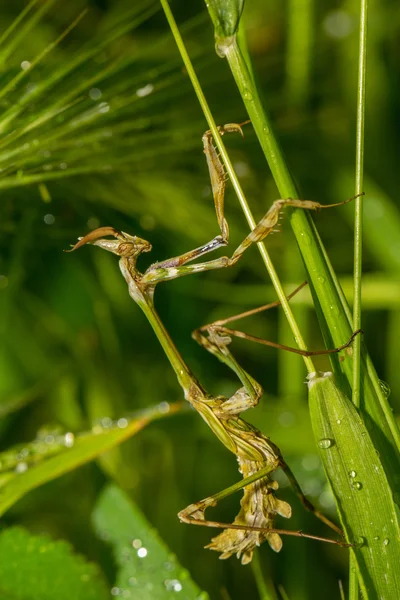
x: 358, y: 223
x: 325, y: 286
x: 235, y: 182
x: 359, y: 182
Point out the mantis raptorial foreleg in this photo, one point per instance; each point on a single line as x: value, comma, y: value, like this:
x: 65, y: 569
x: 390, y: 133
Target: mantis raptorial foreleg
x: 177, y: 266
x: 257, y: 456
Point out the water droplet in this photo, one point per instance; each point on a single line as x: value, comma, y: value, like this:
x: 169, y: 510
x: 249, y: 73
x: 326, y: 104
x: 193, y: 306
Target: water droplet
x: 376, y: 538
x: 95, y: 94
x: 334, y: 310
x: 357, y: 485
x: 97, y: 429
x: 352, y: 474
x: 247, y: 95
x: 69, y: 439
x: 106, y: 422
x: 137, y: 543
x: 163, y: 408
x: 173, y: 585
x: 21, y: 467
x: 306, y: 238
x: 115, y: 591
x: 145, y: 91
x: 103, y: 107
x: 338, y: 24
x: 25, y: 65
x: 122, y: 423
x: 338, y: 421
x: 359, y: 541
x: 326, y: 499
x: 386, y: 542
x: 310, y: 462
x: 385, y: 388
x: 321, y: 279
x: 326, y: 443
x: 142, y: 552
x: 49, y: 219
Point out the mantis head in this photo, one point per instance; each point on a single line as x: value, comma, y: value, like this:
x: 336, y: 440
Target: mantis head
x: 125, y: 245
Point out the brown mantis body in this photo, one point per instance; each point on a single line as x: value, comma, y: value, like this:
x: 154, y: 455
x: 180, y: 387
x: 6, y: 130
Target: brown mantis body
x: 257, y: 456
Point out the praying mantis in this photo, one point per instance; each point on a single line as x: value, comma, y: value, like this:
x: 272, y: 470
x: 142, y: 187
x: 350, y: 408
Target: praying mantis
x: 257, y: 456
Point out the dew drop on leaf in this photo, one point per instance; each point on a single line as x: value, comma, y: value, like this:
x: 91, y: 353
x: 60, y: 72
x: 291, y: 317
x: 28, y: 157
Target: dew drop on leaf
x: 385, y: 388
x: 326, y: 443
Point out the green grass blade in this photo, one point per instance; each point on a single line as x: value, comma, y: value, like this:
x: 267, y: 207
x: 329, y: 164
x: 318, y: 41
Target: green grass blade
x: 336, y: 323
x: 358, y: 222
x: 360, y: 486
x: 231, y: 172
x: 358, y: 240
x: 16, y: 484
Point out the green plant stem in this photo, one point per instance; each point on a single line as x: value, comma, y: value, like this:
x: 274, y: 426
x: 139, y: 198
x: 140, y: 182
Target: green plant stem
x: 358, y: 204
x: 300, y: 42
x: 354, y: 591
x: 264, y: 590
x: 235, y: 182
x: 336, y: 323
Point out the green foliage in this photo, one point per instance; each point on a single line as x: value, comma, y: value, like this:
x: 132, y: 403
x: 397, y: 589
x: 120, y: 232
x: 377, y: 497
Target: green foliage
x: 73, y: 348
x: 38, y: 568
x: 31, y: 465
x: 226, y: 16
x: 359, y: 484
x: 145, y: 565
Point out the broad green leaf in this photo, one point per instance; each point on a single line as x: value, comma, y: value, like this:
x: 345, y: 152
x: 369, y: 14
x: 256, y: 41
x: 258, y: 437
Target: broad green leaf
x: 38, y: 568
x: 147, y: 569
x: 15, y: 484
x: 362, y: 493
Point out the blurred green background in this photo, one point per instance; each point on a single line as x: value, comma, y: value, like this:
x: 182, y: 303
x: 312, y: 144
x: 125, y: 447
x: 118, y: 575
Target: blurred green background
x: 105, y: 130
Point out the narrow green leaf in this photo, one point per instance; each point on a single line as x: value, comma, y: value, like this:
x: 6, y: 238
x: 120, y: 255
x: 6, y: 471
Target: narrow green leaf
x: 147, y: 569
x: 15, y: 484
x: 225, y: 15
x: 38, y: 568
x: 362, y: 493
